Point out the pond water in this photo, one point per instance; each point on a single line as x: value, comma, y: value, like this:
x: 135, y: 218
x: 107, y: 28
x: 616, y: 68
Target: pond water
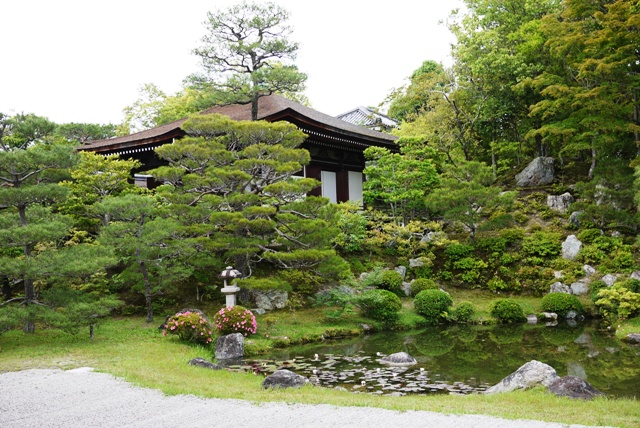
x: 462, y: 359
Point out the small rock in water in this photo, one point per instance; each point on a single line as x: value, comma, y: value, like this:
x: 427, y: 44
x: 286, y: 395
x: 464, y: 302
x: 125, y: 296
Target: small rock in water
x: 399, y: 359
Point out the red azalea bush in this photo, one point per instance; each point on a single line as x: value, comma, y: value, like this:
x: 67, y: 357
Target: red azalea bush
x: 189, y: 326
x: 235, y: 319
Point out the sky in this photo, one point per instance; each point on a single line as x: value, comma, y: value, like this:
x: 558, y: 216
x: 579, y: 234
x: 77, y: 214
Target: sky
x: 84, y: 61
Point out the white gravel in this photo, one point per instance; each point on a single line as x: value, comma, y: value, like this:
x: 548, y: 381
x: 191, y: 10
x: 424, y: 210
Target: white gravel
x: 84, y: 398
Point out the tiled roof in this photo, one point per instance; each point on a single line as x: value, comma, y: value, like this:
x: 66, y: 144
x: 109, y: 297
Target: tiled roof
x: 270, y: 108
x: 366, y: 117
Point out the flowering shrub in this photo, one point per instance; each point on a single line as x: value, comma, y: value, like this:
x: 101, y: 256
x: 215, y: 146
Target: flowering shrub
x: 235, y: 320
x: 190, y: 326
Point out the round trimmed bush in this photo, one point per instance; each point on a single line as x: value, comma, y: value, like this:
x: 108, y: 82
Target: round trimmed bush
x: 419, y: 284
x: 380, y: 305
x: 507, y: 311
x: 433, y: 305
x: 391, y: 280
x: 464, y: 312
x: 189, y: 325
x: 561, y: 303
x: 235, y: 319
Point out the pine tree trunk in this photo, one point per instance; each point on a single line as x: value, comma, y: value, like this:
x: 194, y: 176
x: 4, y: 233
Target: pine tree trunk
x: 147, y: 287
x: 29, y: 290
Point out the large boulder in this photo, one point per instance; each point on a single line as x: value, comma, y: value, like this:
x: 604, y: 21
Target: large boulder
x: 529, y: 375
x: 573, y: 387
x: 558, y: 287
x: 560, y: 202
x: 402, y: 270
x: 230, y: 346
x: 284, y: 379
x: 571, y: 247
x: 579, y: 288
x: 538, y: 173
x: 269, y: 299
x: 399, y: 359
x: 609, y: 279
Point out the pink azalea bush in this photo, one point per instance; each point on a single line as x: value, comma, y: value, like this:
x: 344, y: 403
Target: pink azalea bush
x: 189, y: 326
x: 235, y: 320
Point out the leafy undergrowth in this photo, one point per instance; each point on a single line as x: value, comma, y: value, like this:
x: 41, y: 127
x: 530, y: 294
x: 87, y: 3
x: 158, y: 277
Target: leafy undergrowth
x: 137, y: 352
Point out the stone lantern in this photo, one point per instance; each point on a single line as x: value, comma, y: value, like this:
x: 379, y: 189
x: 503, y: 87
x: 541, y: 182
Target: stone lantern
x: 230, y: 290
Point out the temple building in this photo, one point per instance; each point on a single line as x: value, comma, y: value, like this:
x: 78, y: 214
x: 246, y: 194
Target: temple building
x: 336, y: 146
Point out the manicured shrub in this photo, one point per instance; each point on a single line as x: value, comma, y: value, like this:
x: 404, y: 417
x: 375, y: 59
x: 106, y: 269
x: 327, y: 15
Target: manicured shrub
x: 190, y: 326
x: 561, y: 303
x: 433, y: 305
x: 617, y: 303
x: 235, y: 319
x: 507, y: 311
x: 380, y: 305
x: 391, y: 280
x: 542, y: 244
x: 464, y: 312
x: 419, y: 284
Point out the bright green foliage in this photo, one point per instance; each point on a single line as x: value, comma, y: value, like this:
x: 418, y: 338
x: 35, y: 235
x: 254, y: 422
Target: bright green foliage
x: 235, y: 319
x: 407, y: 103
x: 419, y: 284
x: 380, y: 305
x: 507, y: 311
x: 32, y: 232
x: 433, y: 305
x: 148, y: 246
x: 464, y: 312
x: 85, y: 132
x: 246, y: 54
x: 75, y: 308
x: 400, y: 181
x: 231, y: 186
x: 561, y: 303
x: 542, y: 244
x: 466, y: 194
x: 190, y: 326
x: 353, y: 228
x: 392, y: 280
x: 617, y: 303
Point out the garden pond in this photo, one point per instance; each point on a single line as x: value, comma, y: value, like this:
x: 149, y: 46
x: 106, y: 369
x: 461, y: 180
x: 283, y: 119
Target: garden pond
x: 461, y: 359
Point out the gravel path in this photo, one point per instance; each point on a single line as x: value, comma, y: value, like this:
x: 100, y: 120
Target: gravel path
x: 83, y: 398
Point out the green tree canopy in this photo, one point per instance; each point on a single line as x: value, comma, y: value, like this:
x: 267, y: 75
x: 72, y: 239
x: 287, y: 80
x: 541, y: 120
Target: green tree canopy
x: 246, y: 54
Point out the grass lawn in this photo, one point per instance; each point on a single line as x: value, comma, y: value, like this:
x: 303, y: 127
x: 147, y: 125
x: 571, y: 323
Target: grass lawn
x: 137, y: 352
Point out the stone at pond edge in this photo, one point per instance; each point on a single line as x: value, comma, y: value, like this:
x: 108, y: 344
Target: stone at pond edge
x: 573, y: 387
x: 399, y: 359
x: 201, y: 362
x: 539, y: 172
x: 571, y: 247
x: 284, y: 379
x: 633, y: 338
x: 230, y: 346
x: 532, y: 319
x: 528, y: 375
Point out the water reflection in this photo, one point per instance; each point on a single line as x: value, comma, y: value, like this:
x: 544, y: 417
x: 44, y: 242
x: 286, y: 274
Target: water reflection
x: 463, y: 359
